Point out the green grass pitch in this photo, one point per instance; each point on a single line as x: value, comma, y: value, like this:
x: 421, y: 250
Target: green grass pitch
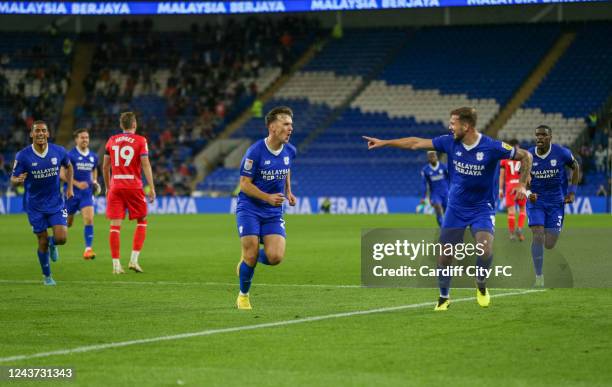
x: 555, y: 337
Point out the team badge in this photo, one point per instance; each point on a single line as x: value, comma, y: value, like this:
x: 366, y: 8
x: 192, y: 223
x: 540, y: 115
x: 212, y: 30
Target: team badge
x: 440, y: 172
x: 80, y: 158
x: 506, y: 146
x: 91, y: 159
x: 553, y: 163
x: 286, y: 160
x: 54, y: 160
x: 248, y: 164
x: 479, y: 156
x: 535, y: 163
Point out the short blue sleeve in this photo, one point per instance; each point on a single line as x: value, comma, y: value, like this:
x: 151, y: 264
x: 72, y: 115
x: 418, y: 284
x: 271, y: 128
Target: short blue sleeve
x: 568, y: 157
x: 20, y: 164
x: 65, y: 159
x: 443, y: 143
x: 250, y: 162
x: 502, y: 151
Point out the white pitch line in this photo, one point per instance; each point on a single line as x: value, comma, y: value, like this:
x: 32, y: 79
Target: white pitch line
x: 210, y: 332
x: 84, y: 282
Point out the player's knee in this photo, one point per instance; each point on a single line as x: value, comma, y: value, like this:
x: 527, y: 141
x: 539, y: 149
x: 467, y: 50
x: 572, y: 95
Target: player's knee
x: 60, y: 239
x: 550, y: 244
x: 250, y: 259
x: 69, y: 222
x: 275, y: 258
x: 43, y: 244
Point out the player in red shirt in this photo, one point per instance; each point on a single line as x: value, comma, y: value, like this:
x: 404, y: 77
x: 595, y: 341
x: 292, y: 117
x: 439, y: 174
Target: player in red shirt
x: 509, y: 173
x: 126, y: 154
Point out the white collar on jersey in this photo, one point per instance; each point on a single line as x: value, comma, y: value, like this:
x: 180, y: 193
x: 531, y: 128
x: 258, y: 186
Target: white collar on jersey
x: 44, y: 154
x: 81, y: 153
x: 274, y: 152
x: 474, y: 145
x: 545, y: 155
x: 436, y: 167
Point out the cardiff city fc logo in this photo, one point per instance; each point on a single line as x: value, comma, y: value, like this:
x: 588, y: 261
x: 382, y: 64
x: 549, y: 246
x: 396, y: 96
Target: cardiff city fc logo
x: 553, y: 163
x: 54, y: 161
x: 91, y: 159
x: 286, y: 160
x: 479, y: 156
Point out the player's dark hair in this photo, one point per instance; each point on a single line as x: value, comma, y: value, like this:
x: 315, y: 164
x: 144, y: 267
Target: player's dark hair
x: 126, y: 120
x: 76, y: 133
x: 546, y: 128
x: 38, y: 122
x: 467, y: 115
x: 274, y: 113
x: 513, y: 142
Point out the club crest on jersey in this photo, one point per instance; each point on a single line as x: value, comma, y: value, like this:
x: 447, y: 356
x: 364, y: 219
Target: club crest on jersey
x: 91, y: 159
x: 479, y: 156
x: 54, y: 160
x: 553, y: 163
x: 440, y: 172
x: 248, y: 164
x: 286, y: 160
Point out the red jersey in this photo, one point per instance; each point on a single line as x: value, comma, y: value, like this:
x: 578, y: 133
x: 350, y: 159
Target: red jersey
x: 512, y: 175
x: 125, y: 150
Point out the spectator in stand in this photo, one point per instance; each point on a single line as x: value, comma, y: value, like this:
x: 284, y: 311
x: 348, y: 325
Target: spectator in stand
x: 591, y: 124
x: 600, y: 158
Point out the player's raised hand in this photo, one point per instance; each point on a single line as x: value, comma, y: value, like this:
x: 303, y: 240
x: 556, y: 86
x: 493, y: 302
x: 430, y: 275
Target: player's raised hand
x: 569, y: 198
x: 70, y: 191
x: 501, y: 194
x: 374, y: 142
x: 276, y: 199
x: 292, y: 199
x: 20, y: 178
x: 151, y: 195
x: 519, y: 192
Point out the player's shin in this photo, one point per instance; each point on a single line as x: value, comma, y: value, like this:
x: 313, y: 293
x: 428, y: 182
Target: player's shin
x: 521, y: 219
x: 88, y: 235
x: 511, y: 222
x: 246, y: 273
x: 443, y: 282
x: 537, y: 254
x: 483, y: 262
x: 115, y: 245
x: 139, y: 237
x: 43, y: 259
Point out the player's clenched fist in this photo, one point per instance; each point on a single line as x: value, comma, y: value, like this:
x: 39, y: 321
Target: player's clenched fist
x: 20, y: 178
x: 276, y: 199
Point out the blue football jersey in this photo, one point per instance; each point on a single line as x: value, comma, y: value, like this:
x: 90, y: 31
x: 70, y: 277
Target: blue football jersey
x: 548, y: 176
x: 473, y: 170
x: 42, y: 185
x: 269, y: 171
x: 437, y: 178
x: 83, y: 164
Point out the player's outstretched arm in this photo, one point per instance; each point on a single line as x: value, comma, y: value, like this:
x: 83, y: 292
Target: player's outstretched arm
x: 411, y: 143
x: 148, y: 172
x: 248, y: 188
x: 76, y: 183
x: 571, y: 190
x: 106, y: 170
x: 520, y: 191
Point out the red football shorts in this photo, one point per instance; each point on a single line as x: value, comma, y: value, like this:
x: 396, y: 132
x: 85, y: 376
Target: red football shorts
x: 510, y: 200
x: 121, y: 199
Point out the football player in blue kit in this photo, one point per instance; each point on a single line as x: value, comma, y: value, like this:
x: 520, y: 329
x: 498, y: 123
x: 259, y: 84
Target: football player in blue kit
x: 85, y: 164
x: 435, y: 180
x: 38, y: 168
x: 546, y: 205
x: 473, y: 159
x: 265, y: 183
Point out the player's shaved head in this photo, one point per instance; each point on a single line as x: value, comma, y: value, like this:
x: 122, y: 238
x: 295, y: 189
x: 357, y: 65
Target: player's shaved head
x: 513, y: 142
x: 274, y: 114
x: 466, y: 115
x: 432, y: 157
x: 127, y: 120
x: 544, y: 128
x: 38, y: 123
